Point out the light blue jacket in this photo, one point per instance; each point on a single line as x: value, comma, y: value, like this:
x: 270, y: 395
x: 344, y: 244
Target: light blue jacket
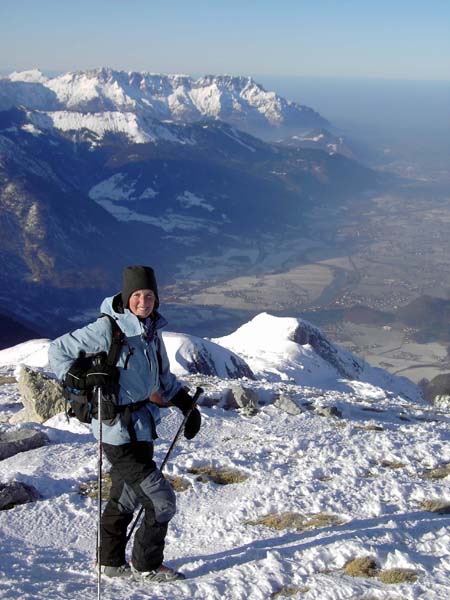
x: 147, y: 370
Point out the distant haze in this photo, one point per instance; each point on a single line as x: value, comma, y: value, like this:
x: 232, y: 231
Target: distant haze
x: 413, y: 115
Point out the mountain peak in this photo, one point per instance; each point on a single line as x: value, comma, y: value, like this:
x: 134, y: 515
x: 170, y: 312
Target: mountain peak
x: 289, y: 348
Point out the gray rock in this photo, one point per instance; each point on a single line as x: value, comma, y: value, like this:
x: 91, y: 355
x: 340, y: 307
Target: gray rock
x: 15, y: 493
x: 20, y: 440
x: 287, y: 405
x: 227, y: 400
x: 208, y: 401
x: 42, y: 397
x: 437, y: 391
x: 328, y: 411
x: 241, y: 397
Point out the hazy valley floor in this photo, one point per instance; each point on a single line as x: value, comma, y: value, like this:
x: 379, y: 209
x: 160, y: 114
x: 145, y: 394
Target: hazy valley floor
x: 376, y: 252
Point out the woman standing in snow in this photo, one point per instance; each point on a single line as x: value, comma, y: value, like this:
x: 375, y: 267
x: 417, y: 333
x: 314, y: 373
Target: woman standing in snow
x: 144, y: 373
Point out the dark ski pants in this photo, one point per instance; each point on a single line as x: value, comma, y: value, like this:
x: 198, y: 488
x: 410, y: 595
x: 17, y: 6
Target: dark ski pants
x: 135, y: 481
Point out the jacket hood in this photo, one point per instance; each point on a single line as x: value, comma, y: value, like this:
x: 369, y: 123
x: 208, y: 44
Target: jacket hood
x: 127, y: 321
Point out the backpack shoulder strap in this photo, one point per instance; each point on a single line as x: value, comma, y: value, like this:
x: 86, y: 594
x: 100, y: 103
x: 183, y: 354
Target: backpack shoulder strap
x: 117, y: 341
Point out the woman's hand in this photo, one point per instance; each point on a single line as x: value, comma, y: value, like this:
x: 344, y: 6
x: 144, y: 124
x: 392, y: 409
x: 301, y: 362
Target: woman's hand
x: 157, y: 399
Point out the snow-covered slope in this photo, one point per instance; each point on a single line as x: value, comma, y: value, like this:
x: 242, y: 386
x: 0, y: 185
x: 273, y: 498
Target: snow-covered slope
x: 33, y: 354
x: 139, y: 129
x: 237, y: 100
x: 190, y: 354
x: 364, y: 479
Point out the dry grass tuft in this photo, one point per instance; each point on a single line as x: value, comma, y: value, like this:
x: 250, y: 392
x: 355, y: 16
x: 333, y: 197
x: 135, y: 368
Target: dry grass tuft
x: 179, y: 484
x: 294, y: 520
x: 289, y: 590
x: 392, y: 576
x: 441, y: 507
x: 437, y: 473
x: 5, y: 379
x: 364, y: 566
x: 390, y: 464
x: 90, y: 488
x: 216, y: 475
x: 369, y: 427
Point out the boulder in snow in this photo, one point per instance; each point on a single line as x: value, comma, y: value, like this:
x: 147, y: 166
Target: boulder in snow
x: 242, y: 397
x: 42, y: 397
x: 15, y: 493
x: 328, y: 411
x: 20, y: 440
x: 286, y: 404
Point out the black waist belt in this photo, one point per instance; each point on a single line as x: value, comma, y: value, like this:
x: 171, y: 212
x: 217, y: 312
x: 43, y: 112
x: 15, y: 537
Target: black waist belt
x: 127, y: 410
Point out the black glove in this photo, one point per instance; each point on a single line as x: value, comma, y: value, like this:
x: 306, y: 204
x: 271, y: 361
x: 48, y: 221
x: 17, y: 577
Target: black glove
x: 102, y: 375
x: 193, y: 424
x: 183, y: 401
x: 76, y: 376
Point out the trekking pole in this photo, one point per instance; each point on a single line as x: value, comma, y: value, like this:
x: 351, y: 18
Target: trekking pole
x: 99, y: 486
x: 198, y: 393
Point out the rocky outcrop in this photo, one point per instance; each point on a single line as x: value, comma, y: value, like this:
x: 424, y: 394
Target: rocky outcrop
x: 20, y: 440
x: 306, y: 333
x: 41, y: 396
x: 437, y: 391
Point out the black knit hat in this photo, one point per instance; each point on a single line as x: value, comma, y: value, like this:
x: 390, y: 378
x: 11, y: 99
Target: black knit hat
x: 138, y: 278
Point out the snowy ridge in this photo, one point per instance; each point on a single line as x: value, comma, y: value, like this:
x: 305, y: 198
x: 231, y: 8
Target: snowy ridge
x: 237, y: 100
x: 367, y: 472
x: 138, y: 129
x: 273, y: 349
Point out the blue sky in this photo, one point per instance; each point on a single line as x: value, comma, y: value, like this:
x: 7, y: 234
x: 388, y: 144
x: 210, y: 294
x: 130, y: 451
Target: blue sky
x: 341, y: 38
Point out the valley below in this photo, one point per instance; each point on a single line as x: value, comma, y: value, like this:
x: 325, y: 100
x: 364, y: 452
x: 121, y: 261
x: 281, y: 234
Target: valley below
x: 377, y: 253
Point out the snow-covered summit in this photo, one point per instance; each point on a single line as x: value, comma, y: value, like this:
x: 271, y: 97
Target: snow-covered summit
x: 237, y: 100
x: 294, y: 350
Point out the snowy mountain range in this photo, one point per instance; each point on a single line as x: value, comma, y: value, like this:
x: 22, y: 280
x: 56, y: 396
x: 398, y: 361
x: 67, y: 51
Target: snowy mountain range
x: 334, y: 487
x: 100, y: 169
x: 108, y: 100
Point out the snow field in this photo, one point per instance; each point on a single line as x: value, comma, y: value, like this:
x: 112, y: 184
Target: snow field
x: 366, y: 468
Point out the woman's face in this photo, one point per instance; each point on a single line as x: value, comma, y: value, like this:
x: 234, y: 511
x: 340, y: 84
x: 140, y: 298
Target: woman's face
x: 142, y: 303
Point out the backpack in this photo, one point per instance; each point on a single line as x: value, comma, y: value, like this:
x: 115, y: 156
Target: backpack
x: 81, y: 400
